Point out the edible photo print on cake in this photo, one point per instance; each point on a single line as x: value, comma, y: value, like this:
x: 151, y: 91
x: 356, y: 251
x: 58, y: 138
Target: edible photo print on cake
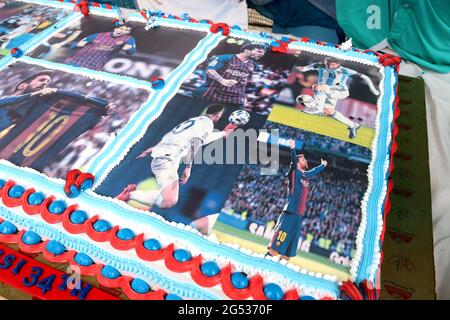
x: 236, y: 112
x: 97, y: 43
x: 308, y: 210
x: 54, y: 121
x: 20, y: 22
x: 164, y: 171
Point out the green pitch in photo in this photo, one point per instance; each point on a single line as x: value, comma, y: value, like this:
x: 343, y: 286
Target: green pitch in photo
x: 320, y: 124
x: 305, y: 260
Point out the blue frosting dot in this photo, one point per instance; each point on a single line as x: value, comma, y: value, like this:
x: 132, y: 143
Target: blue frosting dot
x: 239, y: 280
x: 7, y: 227
x: 110, y: 272
x: 171, y: 296
x: 307, y: 298
x: 57, y: 207
x: 140, y: 286
x: 36, y: 198
x: 78, y: 217
x: 102, y: 226
x: 83, y: 259
x: 87, y: 184
x: 16, y: 191
x: 273, y: 291
x: 152, y: 244
x: 182, y: 255
x: 125, y: 234
x: 2, y: 183
x: 210, y: 269
x: 274, y: 44
x: 31, y: 237
x: 55, y: 247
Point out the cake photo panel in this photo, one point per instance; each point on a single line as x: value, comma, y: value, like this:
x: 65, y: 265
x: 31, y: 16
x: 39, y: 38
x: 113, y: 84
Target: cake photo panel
x: 53, y: 121
x: 258, y: 169
x: 237, y: 75
x: 190, y: 200
x: 98, y: 43
x: 308, y: 210
x: 20, y: 22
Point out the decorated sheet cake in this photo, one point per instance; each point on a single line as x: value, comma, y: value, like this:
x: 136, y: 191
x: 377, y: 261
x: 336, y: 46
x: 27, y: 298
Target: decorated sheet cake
x: 178, y: 158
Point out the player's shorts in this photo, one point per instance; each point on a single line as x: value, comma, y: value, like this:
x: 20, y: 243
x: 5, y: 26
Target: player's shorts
x: 287, y: 234
x: 165, y: 170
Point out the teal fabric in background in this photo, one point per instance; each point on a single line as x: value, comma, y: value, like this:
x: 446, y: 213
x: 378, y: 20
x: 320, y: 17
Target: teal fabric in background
x: 130, y: 4
x: 419, y: 30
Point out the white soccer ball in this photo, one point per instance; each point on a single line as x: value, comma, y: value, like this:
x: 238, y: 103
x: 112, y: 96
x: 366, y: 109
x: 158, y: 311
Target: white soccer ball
x: 307, y: 101
x: 239, y: 117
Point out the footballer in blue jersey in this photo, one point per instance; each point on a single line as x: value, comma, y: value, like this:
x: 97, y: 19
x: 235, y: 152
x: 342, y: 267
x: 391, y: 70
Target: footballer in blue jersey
x: 37, y: 122
x: 228, y: 75
x: 288, y: 227
x: 332, y: 86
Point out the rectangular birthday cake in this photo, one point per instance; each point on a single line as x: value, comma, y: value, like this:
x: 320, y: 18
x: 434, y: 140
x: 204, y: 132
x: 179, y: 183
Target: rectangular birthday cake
x: 170, y: 157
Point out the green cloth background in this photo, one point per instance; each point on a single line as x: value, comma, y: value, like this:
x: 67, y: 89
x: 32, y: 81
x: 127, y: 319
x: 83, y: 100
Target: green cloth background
x: 419, y: 30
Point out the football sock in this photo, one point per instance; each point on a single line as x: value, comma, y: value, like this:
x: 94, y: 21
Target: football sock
x: 341, y: 118
x: 150, y: 198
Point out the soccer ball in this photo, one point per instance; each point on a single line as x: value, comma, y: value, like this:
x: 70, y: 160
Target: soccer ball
x: 307, y: 101
x: 239, y: 117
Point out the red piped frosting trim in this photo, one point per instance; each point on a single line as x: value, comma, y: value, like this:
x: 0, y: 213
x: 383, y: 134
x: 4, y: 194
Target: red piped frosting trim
x: 199, y: 277
x: 173, y: 264
x: 394, y: 148
x: 255, y: 289
x: 223, y: 27
x: 122, y: 282
x: 83, y: 7
x: 363, y: 291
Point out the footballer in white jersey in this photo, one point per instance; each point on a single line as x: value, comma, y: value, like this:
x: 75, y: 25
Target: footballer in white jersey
x: 332, y: 86
x: 178, y: 145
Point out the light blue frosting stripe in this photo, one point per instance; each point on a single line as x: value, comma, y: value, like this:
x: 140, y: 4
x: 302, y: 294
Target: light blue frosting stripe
x: 380, y: 177
x: 69, y: 19
x: 207, y: 246
x: 107, y: 208
x: 140, y: 121
x: 88, y: 72
x: 139, y: 269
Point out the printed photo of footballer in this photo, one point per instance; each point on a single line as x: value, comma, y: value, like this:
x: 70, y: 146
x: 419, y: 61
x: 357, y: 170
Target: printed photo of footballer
x: 335, y: 97
x: 240, y: 76
x: 167, y: 186
x: 159, y: 172
x: 19, y: 22
x: 54, y: 121
x: 96, y: 43
x: 308, y: 212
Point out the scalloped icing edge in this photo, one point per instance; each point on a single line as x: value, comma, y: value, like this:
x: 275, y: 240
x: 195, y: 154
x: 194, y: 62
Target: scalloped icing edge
x: 317, y: 49
x: 68, y: 257
x: 314, y: 47
x: 151, y: 226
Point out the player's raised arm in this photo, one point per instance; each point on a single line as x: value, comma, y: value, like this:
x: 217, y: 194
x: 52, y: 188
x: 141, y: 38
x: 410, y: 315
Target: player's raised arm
x: 130, y: 46
x: 316, y: 170
x: 293, y: 153
x: 215, y: 64
x: 313, y: 66
x: 86, y: 40
x: 369, y: 82
x: 7, y: 101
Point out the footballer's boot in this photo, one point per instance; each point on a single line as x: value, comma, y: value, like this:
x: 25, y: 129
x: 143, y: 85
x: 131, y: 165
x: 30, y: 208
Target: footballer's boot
x: 125, y: 194
x: 353, y: 131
